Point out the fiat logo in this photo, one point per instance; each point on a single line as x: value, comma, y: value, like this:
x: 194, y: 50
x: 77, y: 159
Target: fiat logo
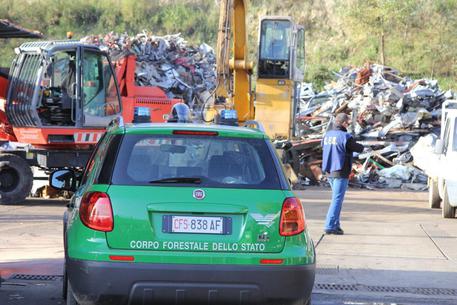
x: 199, y: 194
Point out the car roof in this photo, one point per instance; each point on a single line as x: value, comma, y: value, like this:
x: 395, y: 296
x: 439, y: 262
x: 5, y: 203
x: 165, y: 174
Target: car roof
x: 168, y: 128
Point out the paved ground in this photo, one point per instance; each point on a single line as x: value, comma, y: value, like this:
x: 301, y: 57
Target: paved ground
x: 395, y: 251
x: 394, y: 248
x: 32, y: 230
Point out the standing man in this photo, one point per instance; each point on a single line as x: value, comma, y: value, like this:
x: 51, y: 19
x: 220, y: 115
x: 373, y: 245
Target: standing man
x: 338, y: 147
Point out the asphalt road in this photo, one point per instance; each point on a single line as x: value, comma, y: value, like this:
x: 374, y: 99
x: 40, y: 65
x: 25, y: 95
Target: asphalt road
x: 395, y: 251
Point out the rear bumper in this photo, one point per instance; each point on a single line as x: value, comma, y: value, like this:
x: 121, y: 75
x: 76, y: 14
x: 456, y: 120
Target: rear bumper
x: 451, y: 188
x: 140, y: 283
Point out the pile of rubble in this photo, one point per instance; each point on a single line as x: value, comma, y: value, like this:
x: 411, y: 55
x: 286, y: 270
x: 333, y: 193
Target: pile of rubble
x: 389, y: 114
x: 168, y: 62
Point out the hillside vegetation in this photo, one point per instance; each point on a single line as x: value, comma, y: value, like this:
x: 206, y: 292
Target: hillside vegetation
x: 415, y: 36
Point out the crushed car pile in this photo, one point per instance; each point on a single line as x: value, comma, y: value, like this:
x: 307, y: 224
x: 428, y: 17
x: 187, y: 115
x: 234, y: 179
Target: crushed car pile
x: 389, y: 113
x: 169, y: 62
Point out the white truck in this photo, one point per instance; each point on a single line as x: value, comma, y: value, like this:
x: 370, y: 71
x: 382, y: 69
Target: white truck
x: 439, y: 161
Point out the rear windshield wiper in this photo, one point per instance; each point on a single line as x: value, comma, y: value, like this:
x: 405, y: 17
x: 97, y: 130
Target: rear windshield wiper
x: 194, y: 180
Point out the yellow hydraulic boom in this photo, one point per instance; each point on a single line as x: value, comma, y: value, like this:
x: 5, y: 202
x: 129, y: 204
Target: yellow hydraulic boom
x: 234, y: 73
x: 281, y: 63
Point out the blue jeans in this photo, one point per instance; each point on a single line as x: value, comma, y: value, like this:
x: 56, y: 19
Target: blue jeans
x: 339, y: 187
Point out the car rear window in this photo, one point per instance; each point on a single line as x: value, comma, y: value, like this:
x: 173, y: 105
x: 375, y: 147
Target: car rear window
x: 217, y: 161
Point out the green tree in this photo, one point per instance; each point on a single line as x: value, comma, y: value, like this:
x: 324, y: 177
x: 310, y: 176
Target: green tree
x: 374, y: 23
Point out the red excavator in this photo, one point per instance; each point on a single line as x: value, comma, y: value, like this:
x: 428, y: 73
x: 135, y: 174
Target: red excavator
x: 61, y: 96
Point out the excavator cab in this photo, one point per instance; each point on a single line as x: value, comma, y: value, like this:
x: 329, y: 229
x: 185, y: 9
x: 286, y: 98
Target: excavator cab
x: 61, y: 84
x: 281, y: 67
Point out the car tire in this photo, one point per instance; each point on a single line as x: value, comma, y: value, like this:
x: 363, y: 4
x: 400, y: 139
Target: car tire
x: 447, y: 209
x: 434, y: 199
x: 64, y: 284
x: 16, y: 179
x: 70, y: 296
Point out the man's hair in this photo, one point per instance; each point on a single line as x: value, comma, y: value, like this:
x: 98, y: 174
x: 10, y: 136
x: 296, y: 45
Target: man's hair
x: 341, y: 118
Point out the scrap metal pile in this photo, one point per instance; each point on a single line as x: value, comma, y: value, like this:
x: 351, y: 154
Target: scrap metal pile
x: 389, y: 114
x: 168, y: 62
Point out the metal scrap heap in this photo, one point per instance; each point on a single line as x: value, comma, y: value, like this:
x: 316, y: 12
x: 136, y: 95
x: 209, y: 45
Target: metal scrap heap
x: 389, y: 113
x: 168, y: 62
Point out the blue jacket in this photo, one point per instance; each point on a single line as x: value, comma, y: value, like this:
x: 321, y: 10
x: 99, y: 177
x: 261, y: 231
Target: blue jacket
x: 334, y: 150
x: 338, y: 146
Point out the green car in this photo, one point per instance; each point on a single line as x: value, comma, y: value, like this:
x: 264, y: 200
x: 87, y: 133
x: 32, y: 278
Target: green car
x: 184, y: 214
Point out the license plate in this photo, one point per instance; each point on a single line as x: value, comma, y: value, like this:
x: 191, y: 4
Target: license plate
x: 196, y: 224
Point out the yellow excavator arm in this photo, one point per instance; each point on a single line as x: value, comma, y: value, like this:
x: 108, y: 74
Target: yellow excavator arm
x: 234, y: 73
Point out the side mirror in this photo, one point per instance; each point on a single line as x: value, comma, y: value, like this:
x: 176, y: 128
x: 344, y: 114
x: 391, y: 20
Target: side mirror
x: 63, y: 179
x: 439, y: 147
x: 285, y: 145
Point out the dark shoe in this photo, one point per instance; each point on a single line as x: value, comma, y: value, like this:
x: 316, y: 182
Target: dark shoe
x: 338, y: 231
x: 341, y: 232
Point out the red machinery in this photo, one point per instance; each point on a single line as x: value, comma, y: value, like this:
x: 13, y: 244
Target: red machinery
x: 61, y: 97
x: 131, y: 95
x: 135, y: 96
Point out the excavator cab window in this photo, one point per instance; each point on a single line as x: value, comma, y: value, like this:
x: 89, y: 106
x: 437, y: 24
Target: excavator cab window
x: 58, y: 90
x: 99, y: 91
x: 274, y: 55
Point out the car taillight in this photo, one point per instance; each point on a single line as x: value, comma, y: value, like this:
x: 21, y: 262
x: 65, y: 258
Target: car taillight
x: 292, y: 217
x: 96, y: 212
x: 266, y: 261
x: 122, y: 258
